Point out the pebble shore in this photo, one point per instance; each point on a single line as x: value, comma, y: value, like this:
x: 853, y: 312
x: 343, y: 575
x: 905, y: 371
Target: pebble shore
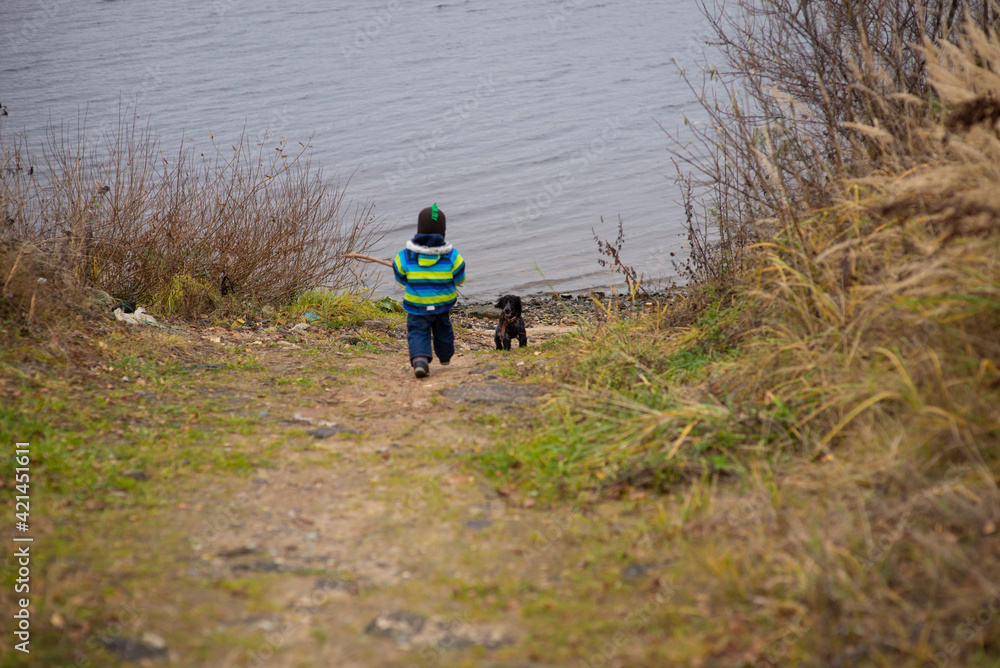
x: 568, y: 310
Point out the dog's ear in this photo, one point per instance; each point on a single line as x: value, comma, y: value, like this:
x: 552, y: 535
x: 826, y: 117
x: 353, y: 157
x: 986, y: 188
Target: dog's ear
x: 517, y: 304
x: 499, y: 303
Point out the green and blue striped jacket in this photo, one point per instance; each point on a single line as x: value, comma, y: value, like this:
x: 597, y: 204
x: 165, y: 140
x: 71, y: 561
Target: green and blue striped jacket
x: 430, y: 274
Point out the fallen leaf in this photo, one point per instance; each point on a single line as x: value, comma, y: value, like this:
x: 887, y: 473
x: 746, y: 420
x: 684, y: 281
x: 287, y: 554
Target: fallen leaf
x: 459, y: 479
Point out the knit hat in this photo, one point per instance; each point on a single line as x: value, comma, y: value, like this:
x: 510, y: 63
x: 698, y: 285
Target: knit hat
x: 431, y: 221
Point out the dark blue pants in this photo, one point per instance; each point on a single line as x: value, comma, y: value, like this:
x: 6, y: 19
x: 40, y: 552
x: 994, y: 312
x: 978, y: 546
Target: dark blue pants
x: 420, y: 329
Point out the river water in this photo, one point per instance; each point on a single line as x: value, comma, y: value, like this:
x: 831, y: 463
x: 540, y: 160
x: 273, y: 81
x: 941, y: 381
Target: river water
x: 526, y: 120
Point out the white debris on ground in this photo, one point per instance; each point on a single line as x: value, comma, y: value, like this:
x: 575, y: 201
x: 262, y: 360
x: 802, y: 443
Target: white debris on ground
x: 140, y: 317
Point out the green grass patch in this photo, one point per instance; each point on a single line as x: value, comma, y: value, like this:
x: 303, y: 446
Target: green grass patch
x: 336, y: 310
x: 619, y: 419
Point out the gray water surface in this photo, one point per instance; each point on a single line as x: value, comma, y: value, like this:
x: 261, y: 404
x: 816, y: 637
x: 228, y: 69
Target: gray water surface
x: 526, y: 121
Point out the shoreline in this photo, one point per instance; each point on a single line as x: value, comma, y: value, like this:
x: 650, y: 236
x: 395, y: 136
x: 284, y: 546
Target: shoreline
x: 561, y: 308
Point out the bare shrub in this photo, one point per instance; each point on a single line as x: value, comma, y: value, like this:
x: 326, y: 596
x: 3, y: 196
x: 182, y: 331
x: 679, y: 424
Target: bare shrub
x: 611, y: 257
x: 808, y: 94
x: 165, y: 229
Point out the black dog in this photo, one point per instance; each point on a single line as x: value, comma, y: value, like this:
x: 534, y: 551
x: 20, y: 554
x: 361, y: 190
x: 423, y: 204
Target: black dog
x: 511, y: 323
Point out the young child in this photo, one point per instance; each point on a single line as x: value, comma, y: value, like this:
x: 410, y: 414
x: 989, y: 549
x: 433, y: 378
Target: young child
x: 430, y: 270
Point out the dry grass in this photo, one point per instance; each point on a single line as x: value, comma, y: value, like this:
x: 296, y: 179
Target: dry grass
x: 806, y: 95
x: 34, y: 290
x: 164, y: 228
x: 881, y: 312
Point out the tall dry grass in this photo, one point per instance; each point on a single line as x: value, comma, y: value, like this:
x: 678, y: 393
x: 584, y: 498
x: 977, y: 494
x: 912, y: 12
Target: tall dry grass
x: 877, y: 281
x: 848, y: 386
x: 126, y: 215
x: 806, y: 95
x: 902, y: 275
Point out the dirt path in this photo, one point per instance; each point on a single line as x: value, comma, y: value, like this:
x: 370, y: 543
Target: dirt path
x: 343, y: 521
x: 356, y: 523
x: 367, y: 539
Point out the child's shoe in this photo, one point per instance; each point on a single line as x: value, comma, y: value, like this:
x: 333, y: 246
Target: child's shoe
x: 420, y: 368
x: 445, y: 362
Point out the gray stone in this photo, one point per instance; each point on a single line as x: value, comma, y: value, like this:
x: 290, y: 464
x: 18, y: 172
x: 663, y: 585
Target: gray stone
x: 485, y: 311
x: 415, y: 629
x: 399, y: 625
x: 242, y: 551
x: 495, y: 393
x: 129, y: 649
x: 326, y: 432
x: 259, y: 567
x: 330, y: 584
x: 636, y: 570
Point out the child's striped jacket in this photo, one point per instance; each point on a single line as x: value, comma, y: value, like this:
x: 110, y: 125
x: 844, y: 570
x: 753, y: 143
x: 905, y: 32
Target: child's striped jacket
x: 430, y: 269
